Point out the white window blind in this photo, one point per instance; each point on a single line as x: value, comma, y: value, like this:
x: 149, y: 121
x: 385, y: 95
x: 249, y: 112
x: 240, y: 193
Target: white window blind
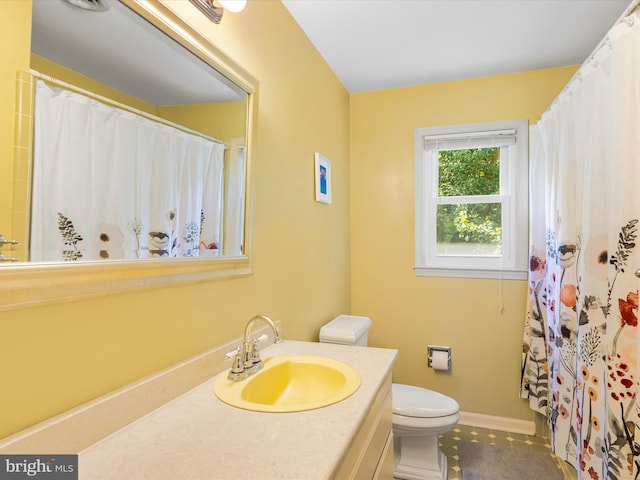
x: 464, y: 141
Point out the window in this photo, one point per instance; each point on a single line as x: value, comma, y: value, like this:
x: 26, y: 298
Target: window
x: 471, y: 200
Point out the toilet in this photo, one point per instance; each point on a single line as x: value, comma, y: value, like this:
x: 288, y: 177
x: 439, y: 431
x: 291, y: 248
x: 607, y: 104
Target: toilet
x: 419, y: 415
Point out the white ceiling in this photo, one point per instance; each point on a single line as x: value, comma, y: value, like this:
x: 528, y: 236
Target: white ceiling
x: 369, y: 44
x: 381, y: 44
x: 120, y: 49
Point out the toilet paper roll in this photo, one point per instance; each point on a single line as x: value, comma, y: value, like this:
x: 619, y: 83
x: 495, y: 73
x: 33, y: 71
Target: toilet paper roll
x: 440, y: 360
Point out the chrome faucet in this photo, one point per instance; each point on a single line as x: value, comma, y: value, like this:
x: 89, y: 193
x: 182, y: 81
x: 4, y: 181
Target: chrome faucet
x: 247, y: 359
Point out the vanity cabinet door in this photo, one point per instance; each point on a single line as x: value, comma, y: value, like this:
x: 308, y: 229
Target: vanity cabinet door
x: 371, y: 453
x: 386, y: 464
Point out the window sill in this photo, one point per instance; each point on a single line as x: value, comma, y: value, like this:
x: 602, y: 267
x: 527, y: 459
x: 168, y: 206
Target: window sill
x: 488, y: 273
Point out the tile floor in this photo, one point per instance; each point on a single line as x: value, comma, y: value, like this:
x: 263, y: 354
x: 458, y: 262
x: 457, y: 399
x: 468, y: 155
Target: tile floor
x: 449, y: 445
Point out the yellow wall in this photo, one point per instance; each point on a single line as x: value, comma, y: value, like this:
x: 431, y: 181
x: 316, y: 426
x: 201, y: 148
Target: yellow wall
x: 55, y: 357
x: 223, y: 121
x: 15, y: 43
x: 409, y: 312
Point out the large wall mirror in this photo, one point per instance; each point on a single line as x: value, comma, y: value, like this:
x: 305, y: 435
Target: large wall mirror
x: 164, y: 94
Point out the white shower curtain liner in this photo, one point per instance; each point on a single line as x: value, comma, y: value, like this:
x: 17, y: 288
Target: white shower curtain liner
x: 235, y: 214
x: 110, y: 184
x: 581, y: 344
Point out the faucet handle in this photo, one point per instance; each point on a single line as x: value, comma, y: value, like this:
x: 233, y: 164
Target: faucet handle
x: 231, y: 354
x: 237, y: 367
x: 254, y: 346
x: 255, y: 352
x: 261, y: 338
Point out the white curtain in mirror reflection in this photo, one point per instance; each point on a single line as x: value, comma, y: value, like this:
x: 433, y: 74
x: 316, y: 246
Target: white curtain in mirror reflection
x: 110, y: 184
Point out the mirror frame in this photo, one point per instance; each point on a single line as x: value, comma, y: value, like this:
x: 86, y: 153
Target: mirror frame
x: 25, y: 284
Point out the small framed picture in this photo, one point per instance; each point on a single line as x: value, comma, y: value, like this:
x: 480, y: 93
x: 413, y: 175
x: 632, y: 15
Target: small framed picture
x: 323, y: 178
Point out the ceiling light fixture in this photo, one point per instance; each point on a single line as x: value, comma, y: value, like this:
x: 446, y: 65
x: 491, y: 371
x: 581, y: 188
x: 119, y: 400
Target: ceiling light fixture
x: 213, y: 9
x: 234, y: 6
x: 91, y: 5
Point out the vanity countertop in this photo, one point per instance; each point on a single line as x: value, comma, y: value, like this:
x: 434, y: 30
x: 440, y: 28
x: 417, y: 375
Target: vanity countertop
x: 198, y: 437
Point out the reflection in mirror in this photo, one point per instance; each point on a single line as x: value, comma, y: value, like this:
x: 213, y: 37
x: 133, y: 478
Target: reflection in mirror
x: 138, y: 147
x: 207, y: 97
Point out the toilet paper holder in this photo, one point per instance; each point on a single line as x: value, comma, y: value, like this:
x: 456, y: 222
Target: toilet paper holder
x: 431, y: 349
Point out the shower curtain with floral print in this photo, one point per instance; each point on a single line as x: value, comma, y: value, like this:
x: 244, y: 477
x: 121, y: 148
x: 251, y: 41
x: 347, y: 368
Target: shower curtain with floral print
x: 581, y: 344
x: 111, y: 184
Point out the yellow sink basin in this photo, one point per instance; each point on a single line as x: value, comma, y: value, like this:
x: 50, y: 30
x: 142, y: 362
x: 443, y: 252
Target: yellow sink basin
x: 290, y: 384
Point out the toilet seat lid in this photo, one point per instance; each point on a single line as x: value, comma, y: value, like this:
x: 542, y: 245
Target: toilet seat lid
x: 411, y: 401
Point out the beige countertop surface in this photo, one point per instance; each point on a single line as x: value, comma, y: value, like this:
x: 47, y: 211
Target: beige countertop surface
x: 198, y: 437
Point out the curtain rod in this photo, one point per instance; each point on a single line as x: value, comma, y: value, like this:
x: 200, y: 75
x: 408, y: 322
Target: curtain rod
x: 633, y: 6
x: 630, y: 10
x: 123, y: 106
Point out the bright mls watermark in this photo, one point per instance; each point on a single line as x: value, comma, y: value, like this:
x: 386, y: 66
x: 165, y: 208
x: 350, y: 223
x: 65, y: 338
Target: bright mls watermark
x: 49, y: 467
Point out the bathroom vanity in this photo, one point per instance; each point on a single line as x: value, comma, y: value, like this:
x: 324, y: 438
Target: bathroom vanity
x: 197, y: 436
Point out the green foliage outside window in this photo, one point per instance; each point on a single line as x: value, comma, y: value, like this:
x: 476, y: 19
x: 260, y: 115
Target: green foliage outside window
x: 469, y: 172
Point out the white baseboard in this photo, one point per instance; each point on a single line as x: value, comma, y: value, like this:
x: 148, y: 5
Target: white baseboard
x: 503, y: 424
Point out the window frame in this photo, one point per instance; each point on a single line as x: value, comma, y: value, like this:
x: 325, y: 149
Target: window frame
x: 514, y: 198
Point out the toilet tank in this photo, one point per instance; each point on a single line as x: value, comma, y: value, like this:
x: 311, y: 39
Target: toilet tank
x: 346, y: 330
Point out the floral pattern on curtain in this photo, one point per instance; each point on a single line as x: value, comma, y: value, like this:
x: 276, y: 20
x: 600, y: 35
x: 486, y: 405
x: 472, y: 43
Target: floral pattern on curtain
x: 580, y: 358
x: 110, y: 184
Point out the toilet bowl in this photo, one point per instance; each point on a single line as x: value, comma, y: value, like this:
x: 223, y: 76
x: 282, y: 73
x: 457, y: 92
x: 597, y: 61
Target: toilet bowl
x: 419, y: 415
